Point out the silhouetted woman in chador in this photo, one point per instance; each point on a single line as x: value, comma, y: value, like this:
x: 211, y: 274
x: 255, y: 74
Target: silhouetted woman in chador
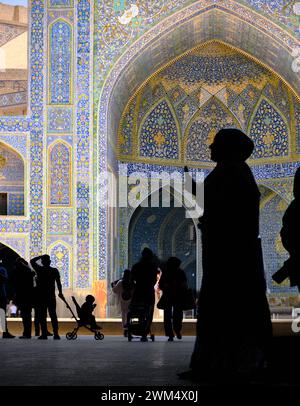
x: 234, y: 326
x: 290, y: 237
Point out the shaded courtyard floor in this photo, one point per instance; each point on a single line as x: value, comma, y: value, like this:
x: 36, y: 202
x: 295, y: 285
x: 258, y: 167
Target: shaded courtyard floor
x: 117, y: 362
x: 85, y: 361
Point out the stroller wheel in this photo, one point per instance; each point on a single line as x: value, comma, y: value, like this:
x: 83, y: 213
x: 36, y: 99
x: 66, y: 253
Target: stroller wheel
x: 71, y: 336
x: 99, y: 336
x: 152, y: 337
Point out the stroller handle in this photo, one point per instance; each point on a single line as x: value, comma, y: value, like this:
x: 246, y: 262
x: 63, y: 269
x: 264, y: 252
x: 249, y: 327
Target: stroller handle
x: 68, y: 307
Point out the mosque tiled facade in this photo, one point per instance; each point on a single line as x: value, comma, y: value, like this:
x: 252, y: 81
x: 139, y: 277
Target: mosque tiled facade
x: 146, y: 84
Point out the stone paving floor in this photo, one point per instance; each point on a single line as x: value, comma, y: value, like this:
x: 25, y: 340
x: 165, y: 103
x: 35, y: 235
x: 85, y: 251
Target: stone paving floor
x: 32, y: 368
x: 85, y: 361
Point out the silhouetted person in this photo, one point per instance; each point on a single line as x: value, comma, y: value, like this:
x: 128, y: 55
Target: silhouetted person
x: 172, y: 282
x: 3, y: 297
x: 85, y: 311
x: 47, y: 277
x: 233, y: 273
x: 23, y: 278
x: 37, y: 322
x: 290, y: 236
x: 123, y: 288
x: 144, y: 275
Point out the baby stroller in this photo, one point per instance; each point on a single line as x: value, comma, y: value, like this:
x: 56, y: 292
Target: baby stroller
x: 72, y: 335
x: 139, y: 321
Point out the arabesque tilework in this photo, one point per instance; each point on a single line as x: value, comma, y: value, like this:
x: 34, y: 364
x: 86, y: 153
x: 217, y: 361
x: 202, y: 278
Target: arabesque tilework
x: 101, y: 54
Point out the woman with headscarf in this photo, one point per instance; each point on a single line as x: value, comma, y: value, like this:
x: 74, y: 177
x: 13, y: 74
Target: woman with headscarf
x: 290, y: 233
x: 233, y: 274
x: 123, y: 288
